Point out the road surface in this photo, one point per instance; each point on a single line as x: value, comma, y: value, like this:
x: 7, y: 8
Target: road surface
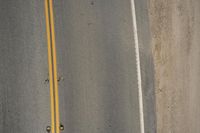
x: 97, y: 71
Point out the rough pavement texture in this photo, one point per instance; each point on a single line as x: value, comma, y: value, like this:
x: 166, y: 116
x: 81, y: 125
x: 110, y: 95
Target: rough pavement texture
x: 175, y: 26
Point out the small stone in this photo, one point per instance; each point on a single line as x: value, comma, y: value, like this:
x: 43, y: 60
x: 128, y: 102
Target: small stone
x: 48, y: 129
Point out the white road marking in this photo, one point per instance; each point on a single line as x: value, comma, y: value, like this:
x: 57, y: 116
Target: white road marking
x: 137, y: 52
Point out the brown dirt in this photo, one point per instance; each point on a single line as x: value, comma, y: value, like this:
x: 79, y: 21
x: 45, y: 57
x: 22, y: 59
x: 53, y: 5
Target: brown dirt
x: 175, y: 27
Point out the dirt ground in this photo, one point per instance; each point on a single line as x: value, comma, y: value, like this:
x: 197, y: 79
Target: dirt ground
x: 175, y: 27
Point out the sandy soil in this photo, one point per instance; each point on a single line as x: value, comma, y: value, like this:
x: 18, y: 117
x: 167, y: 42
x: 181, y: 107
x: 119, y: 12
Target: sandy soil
x: 175, y: 27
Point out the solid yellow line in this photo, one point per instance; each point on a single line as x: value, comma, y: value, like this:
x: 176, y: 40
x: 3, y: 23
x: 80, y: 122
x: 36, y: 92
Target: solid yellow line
x: 50, y: 67
x: 55, y: 69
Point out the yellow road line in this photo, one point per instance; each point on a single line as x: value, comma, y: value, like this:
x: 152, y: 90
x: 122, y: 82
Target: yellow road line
x: 55, y: 69
x: 50, y: 68
x: 54, y: 95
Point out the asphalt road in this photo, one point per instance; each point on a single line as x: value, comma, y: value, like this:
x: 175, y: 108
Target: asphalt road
x: 98, y: 89
x: 24, y: 95
x: 96, y: 59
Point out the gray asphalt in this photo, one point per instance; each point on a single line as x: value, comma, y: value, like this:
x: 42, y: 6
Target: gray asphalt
x: 96, y: 64
x: 24, y: 95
